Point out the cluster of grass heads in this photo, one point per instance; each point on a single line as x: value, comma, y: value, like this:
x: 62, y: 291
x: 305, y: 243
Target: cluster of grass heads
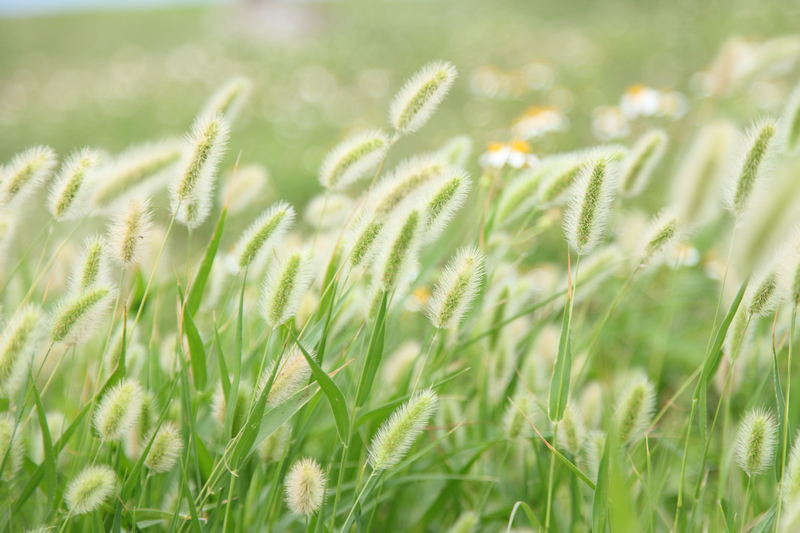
x: 421, y: 351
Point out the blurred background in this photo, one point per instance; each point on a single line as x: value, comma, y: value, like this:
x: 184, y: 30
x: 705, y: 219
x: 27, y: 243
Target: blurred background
x: 110, y: 73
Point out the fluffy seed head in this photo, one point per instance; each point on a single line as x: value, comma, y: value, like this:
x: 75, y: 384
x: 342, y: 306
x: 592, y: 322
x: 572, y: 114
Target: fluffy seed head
x: 519, y: 196
x: 293, y: 374
x: 67, y: 197
x: 660, y: 236
x: 790, y: 121
x: 219, y: 406
x: 361, y: 241
x: 417, y: 100
x: 264, y: 234
x: 396, y: 435
x: 514, y: 424
x: 286, y: 283
x: 250, y: 184
x: 404, y: 181
x: 757, y: 148
x: 592, y: 197
x: 77, y: 315
x: 466, y: 523
x: 139, y: 170
x: 119, y: 410
x: 755, y: 442
x: 791, y: 481
x: 305, y: 487
x: 24, y: 174
x: 90, y: 488
x: 11, y: 444
x: 635, y: 409
x: 352, y: 158
x: 457, y: 288
x: 739, y: 336
x: 444, y: 198
x: 572, y: 430
x: 328, y: 211
x: 764, y: 293
x: 695, y: 185
x: 637, y: 167
x: 130, y: 232
x: 399, y: 247
x: 17, y: 343
x: 229, y: 99
x: 193, y: 190
x: 456, y: 151
x: 271, y: 449
x: 166, y: 449
x: 559, y: 173
x: 92, y: 265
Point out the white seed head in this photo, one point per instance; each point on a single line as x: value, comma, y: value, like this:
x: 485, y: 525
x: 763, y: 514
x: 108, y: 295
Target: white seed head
x: 399, y: 247
x: 77, y: 316
x: 264, y: 234
x: 515, y: 425
x: 89, y: 489
x: 305, y: 487
x: 138, y: 171
x: 660, y: 237
x: 443, y: 199
x: 219, y: 406
x: 129, y: 233
x: 251, y: 184
x: 592, y: 197
x: 422, y: 93
x: 790, y: 121
x: 466, y: 523
x: 361, y: 241
x: 271, y: 449
x: 69, y: 192
x: 405, y: 181
x: 395, y: 437
x: 119, y: 410
x: 791, y: 481
x: 91, y: 268
x: 559, y: 173
x: 634, y: 411
x: 293, y: 374
x: 637, y: 166
x: 593, y: 452
x: 165, y: 450
x: 17, y: 344
x: 352, y: 158
x: 10, y: 446
x: 24, y: 174
x: 328, y: 211
x: 456, y: 151
x: 764, y: 293
x: 192, y: 193
x: 755, y: 442
x: 9, y: 220
x: 695, y: 186
x: 519, y: 196
x: 286, y: 284
x: 459, y: 284
x: 572, y: 430
x: 756, y: 150
x: 739, y: 336
x: 229, y: 99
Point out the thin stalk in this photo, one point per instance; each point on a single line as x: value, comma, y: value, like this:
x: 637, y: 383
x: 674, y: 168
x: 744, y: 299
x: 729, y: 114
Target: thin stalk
x: 785, y: 435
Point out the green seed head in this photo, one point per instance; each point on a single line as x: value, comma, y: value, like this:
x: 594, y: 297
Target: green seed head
x: 756, y: 151
x: 637, y: 166
x: 129, y: 233
x: 398, y: 251
x: 264, y: 234
x: 17, y: 344
x: 756, y: 441
x: 25, y: 173
x: 396, y: 435
x: 67, y: 196
x: 417, y: 100
x: 352, y: 158
x: 592, y: 198
x: 165, y: 450
x: 77, y: 315
x: 457, y: 288
x: 635, y: 409
x: 305, y: 487
x: 286, y: 284
x: 119, y: 410
x: 89, y: 489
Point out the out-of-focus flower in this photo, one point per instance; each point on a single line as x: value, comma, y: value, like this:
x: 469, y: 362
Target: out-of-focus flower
x: 640, y: 100
x: 683, y: 255
x: 608, y: 123
x: 515, y: 154
x: 418, y: 299
x: 538, y: 121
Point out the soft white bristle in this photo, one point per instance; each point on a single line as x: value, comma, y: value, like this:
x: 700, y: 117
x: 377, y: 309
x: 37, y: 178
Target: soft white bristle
x: 422, y: 93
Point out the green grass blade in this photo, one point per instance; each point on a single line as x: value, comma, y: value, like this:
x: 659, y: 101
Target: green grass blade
x: 197, y: 352
x: 528, y: 512
x: 600, y: 501
x: 781, y: 403
x: 331, y: 392
x: 47, y: 445
x: 374, y: 354
x: 199, y: 283
x: 559, y: 382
